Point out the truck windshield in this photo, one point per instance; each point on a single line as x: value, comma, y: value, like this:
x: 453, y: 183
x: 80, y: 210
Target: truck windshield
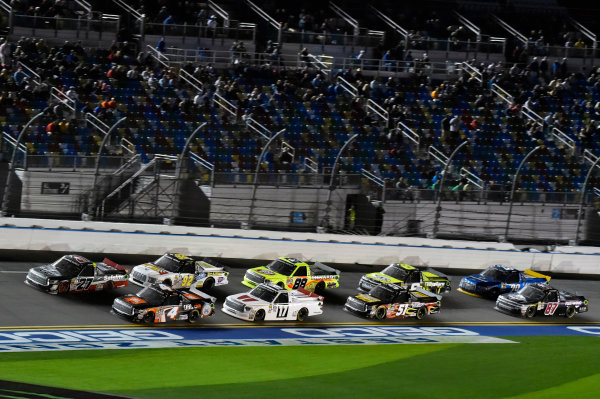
x: 152, y: 296
x: 381, y: 292
x: 495, y: 274
x: 168, y: 263
x: 281, y: 267
x: 67, y: 267
x: 264, y: 294
x: 532, y: 293
x: 395, y: 272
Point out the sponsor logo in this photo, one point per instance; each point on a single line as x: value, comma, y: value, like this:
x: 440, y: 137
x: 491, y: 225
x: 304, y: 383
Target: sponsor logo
x: 134, y: 300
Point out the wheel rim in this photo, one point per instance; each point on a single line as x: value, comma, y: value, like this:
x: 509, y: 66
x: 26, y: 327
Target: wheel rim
x: 380, y: 313
x: 260, y: 315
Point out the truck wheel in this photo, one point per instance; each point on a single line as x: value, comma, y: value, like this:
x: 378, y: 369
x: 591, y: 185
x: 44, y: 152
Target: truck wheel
x: 194, y: 316
x: 168, y: 283
x: 63, y: 287
x: 380, y: 313
x: 302, y: 314
x: 280, y: 284
x: 320, y: 288
x: 421, y: 312
x: 109, y: 286
x: 570, y: 312
x: 208, y: 284
x: 148, y: 318
x: 260, y: 315
x: 531, y: 311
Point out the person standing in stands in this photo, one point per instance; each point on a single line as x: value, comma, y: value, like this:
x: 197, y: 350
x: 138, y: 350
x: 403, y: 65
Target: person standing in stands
x: 351, y: 218
x: 161, y: 45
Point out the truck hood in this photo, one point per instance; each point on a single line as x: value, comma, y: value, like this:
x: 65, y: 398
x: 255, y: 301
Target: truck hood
x: 248, y: 300
x: 480, y: 280
x: 268, y: 274
x: 136, y: 302
x: 429, y: 276
x: 50, y: 272
x: 517, y: 298
x: 368, y: 299
x: 148, y: 269
x: 383, y: 278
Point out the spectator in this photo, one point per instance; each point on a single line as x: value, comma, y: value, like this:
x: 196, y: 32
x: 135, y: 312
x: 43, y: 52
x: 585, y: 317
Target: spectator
x: 161, y: 45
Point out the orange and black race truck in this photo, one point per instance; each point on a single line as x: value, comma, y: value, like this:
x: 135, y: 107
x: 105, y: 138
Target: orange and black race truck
x: 159, y: 303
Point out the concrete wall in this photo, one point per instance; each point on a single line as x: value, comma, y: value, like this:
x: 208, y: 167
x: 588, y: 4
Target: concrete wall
x: 115, y: 238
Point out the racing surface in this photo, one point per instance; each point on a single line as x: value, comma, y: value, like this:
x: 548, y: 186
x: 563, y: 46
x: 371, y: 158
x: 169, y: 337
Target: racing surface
x: 24, y: 306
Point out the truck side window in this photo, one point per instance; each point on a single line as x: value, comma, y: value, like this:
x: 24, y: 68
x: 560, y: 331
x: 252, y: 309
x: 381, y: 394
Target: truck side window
x: 301, y: 271
x: 282, y: 298
x: 402, y: 297
x: 172, y: 300
x: 188, y: 267
x: 552, y: 296
x: 413, y: 278
x: 87, y: 271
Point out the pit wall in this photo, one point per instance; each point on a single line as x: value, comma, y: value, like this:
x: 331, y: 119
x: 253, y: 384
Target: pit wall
x: 143, y: 239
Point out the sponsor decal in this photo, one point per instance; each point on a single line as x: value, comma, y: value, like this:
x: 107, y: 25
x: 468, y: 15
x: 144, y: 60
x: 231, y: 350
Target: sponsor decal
x: 246, y: 298
x: 367, y: 298
x: 191, y: 296
x: 157, y: 269
x: 134, y: 300
x: 266, y: 272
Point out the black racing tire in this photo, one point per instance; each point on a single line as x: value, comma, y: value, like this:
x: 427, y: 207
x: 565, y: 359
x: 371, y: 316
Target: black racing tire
x: 494, y: 293
x: 149, y: 318
x: 109, y: 286
x: 381, y: 313
x: 260, y: 315
x: 320, y: 288
x: 280, y: 284
x: 531, y: 311
x: 194, y: 316
x: 168, y: 283
x: 63, y: 287
x: 302, y: 314
x: 421, y: 312
x: 570, y: 312
x: 208, y: 283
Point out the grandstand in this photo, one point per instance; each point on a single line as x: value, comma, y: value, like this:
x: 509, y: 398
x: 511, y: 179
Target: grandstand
x: 149, y: 111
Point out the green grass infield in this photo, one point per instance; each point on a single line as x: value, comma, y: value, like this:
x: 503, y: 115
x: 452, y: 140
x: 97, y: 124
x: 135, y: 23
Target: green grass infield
x: 537, y: 367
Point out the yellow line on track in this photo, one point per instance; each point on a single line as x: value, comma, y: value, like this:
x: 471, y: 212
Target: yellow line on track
x: 345, y: 324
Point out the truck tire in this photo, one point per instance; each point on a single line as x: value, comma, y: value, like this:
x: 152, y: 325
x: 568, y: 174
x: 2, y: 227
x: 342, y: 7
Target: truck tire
x: 148, y: 317
x: 531, y: 311
x: 380, y: 313
x: 194, y: 316
x: 260, y: 315
x: 320, y: 288
x: 302, y: 314
x: 208, y: 284
x: 168, y: 283
x: 421, y: 312
x: 63, y: 287
x: 570, y: 312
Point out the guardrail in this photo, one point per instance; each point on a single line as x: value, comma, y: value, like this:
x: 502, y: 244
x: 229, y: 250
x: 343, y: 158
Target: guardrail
x: 378, y: 110
x: 472, y: 178
x: 225, y: 104
x: 258, y: 128
x: 105, y: 27
x: 437, y: 155
x: 246, y: 32
x: 563, y: 138
x: 198, y: 160
x: 409, y: 133
x: 347, y: 86
x: 311, y: 165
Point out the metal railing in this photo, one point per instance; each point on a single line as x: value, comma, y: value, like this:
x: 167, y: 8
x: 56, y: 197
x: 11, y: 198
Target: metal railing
x: 22, y: 148
x: 225, y: 104
x: 258, y: 128
x: 378, y: 181
x: 34, y: 76
x: 62, y: 27
x: 347, y: 86
x: 300, y: 179
x: 378, y: 110
x: 203, y: 163
x: 437, y: 155
x: 503, y: 94
x: 563, y: 138
x: 311, y: 165
x: 472, y: 178
x: 246, y: 32
x: 345, y: 16
x: 190, y: 79
x: 409, y: 133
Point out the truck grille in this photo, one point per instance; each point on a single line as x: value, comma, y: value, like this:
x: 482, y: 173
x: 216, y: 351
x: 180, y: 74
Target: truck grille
x: 238, y: 307
x: 37, y: 278
x: 139, y: 277
x: 467, y: 286
x: 357, y: 305
x: 122, y: 308
x: 503, y: 303
x: 255, y: 278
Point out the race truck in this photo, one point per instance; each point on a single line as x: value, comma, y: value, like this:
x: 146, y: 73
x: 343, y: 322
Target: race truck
x: 271, y: 302
x: 391, y: 301
x: 159, y: 303
x: 541, y: 299
x: 74, y: 273
x: 497, y: 279
x: 291, y: 274
x: 406, y: 276
x: 180, y: 271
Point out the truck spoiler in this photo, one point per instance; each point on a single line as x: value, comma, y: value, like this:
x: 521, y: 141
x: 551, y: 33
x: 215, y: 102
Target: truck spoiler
x: 310, y: 294
x: 201, y: 294
x: 111, y: 263
x: 428, y: 293
x: 437, y: 273
x: 531, y: 273
x: 211, y: 263
x: 326, y: 268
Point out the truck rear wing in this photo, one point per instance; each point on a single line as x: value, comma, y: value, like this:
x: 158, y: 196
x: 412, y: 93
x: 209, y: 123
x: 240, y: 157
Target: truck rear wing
x: 531, y: 273
x: 437, y: 273
x: 210, y: 263
x: 425, y: 292
x: 305, y: 294
x: 325, y: 268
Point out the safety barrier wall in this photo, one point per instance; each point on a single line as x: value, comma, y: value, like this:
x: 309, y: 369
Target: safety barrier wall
x: 140, y: 239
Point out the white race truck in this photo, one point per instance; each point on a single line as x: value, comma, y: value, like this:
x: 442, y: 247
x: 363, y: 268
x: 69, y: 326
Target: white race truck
x: 270, y: 302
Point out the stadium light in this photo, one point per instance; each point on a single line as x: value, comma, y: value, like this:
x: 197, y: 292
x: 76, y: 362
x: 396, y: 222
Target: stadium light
x: 438, y: 206
x: 582, y: 196
x: 99, y: 155
x: 6, y: 199
x: 512, y: 190
x: 255, y: 184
